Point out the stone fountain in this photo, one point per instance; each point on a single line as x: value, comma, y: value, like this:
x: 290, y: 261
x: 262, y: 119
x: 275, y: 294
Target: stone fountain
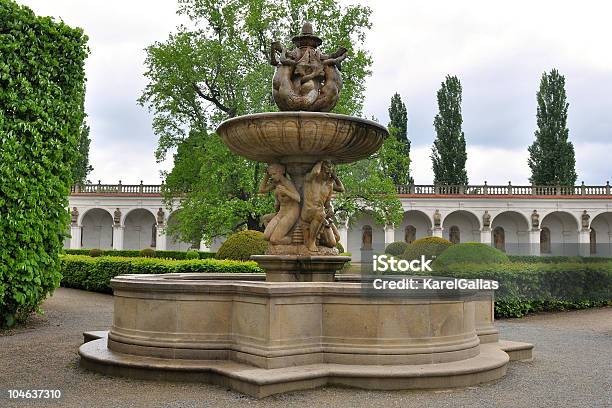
x: 299, y: 326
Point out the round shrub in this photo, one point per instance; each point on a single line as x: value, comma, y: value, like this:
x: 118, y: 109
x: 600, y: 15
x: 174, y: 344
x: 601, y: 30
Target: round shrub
x: 470, y: 252
x: 241, y: 245
x: 191, y: 254
x: 396, y: 248
x: 147, y: 253
x: 95, y: 252
x: 431, y: 247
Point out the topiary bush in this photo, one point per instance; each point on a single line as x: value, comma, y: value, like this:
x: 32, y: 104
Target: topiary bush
x: 470, y: 252
x: 396, y: 248
x: 147, y: 253
x: 241, y: 245
x: 95, y: 274
x: 95, y: 252
x: 192, y: 255
x: 431, y: 247
x: 42, y: 88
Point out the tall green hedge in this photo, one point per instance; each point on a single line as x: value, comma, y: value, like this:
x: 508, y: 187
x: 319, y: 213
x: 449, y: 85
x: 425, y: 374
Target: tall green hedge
x: 89, y: 273
x: 42, y: 87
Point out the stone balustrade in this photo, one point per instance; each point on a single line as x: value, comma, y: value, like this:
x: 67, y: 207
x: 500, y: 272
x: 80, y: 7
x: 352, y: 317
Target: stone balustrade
x: 407, y: 189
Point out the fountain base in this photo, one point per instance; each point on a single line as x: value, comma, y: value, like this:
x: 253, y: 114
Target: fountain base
x: 298, y: 268
x: 263, y: 338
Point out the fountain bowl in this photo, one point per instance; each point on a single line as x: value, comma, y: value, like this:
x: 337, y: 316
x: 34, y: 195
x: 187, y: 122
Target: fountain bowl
x: 287, y: 137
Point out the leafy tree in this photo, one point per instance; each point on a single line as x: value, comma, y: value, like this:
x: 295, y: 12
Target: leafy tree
x: 448, y: 153
x: 42, y: 88
x: 551, y: 156
x: 82, y: 168
x: 219, y: 69
x: 397, y: 149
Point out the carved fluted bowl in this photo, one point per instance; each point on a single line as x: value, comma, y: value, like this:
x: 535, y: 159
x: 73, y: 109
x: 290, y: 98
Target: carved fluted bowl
x: 302, y: 136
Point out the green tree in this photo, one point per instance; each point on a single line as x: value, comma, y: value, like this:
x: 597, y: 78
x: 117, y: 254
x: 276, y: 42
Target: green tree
x: 82, y: 168
x: 551, y: 156
x: 448, y: 153
x: 396, y: 153
x: 42, y: 88
x: 219, y: 69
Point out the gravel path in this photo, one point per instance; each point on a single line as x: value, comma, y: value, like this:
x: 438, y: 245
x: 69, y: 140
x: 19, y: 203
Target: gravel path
x: 572, y: 367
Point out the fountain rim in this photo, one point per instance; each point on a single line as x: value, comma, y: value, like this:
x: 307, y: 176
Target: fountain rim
x: 301, y: 115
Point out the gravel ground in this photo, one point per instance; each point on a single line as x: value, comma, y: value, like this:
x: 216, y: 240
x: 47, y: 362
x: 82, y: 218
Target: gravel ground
x: 572, y: 367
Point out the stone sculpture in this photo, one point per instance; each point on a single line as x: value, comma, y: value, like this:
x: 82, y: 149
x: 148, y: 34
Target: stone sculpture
x: 329, y: 236
x: 437, y: 219
x: 319, y: 185
x: 160, y: 217
x: 117, y: 217
x: 286, y: 202
x: 306, y: 79
x: 74, y: 216
x: 486, y: 219
x: 535, y: 219
x: 585, y: 220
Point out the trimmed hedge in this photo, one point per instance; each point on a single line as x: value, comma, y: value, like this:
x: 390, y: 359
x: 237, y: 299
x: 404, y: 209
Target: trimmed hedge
x: 94, y: 274
x: 242, y: 244
x: 42, y: 90
x: 470, y: 252
x: 557, y: 259
x: 134, y: 253
x: 396, y: 248
x: 431, y: 247
x: 530, y: 287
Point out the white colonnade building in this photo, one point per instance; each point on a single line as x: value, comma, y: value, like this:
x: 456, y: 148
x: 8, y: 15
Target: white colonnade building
x: 526, y: 220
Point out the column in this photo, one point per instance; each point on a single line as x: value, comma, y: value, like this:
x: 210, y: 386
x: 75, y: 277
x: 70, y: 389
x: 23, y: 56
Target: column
x: 584, y: 237
x: 75, y: 237
x: 343, y: 231
x: 161, y: 239
x: 389, y: 234
x: 485, y: 236
x: 118, y: 231
x: 534, y: 242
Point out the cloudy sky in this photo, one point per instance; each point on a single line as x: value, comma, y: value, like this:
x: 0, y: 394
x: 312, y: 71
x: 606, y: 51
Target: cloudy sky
x: 497, y: 49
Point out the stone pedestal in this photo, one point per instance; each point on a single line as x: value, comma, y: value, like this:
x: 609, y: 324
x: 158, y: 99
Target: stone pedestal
x: 295, y: 268
x: 585, y: 242
x: 389, y: 234
x: 161, y: 243
x: 485, y: 236
x: 534, y: 242
x: 75, y: 237
x: 118, y: 234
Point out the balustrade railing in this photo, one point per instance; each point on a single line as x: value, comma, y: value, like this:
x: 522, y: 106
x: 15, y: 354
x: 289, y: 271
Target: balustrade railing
x: 117, y: 188
x: 409, y: 189
x: 509, y: 189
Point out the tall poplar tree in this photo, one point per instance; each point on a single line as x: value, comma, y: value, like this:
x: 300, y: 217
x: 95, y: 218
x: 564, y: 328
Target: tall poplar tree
x: 396, y: 161
x: 82, y: 168
x: 448, y: 153
x: 551, y: 156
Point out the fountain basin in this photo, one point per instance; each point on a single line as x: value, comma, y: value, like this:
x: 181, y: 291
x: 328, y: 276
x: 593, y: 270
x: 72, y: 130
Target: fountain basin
x: 263, y: 338
x: 305, y: 137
